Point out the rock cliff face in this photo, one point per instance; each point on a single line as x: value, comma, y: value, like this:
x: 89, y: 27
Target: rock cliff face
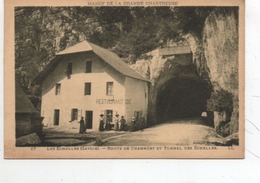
x: 176, y: 88
x: 213, y: 67
x: 216, y: 56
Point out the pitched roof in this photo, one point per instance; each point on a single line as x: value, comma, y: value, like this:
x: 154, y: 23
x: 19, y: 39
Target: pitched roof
x: 116, y: 62
x: 22, y: 103
x: 108, y: 56
x: 80, y: 47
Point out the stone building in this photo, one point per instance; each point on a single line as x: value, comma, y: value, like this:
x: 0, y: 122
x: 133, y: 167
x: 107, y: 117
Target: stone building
x: 87, y: 80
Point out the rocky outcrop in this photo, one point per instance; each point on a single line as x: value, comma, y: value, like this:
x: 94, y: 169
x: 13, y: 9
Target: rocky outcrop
x: 214, y: 58
x: 151, y: 65
x: 28, y: 140
x: 221, y: 52
x: 220, y: 43
x: 216, y: 53
x: 176, y: 89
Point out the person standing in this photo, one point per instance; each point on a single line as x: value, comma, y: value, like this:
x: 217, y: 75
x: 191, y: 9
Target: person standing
x: 116, y: 127
x: 133, y: 124
x: 121, y: 123
x: 101, y: 122
x: 82, y: 128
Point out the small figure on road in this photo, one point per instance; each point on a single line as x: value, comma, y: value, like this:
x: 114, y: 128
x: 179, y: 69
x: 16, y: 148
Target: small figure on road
x: 101, y: 122
x: 82, y: 127
x: 116, y: 121
x: 121, y: 123
x: 133, y: 124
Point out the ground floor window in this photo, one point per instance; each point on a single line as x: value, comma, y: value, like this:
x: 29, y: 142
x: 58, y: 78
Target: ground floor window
x: 74, y: 114
x: 56, y: 118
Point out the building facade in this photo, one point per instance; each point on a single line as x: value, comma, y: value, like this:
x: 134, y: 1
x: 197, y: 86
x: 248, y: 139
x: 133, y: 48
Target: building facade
x: 86, y: 81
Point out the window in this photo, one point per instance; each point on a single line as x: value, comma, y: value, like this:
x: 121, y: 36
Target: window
x: 88, y: 66
x: 87, y: 88
x: 74, y: 114
x: 109, y: 88
x: 57, y: 89
x: 69, y: 69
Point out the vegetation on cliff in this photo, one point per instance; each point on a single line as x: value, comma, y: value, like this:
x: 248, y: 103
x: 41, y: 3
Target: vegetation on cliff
x: 40, y: 32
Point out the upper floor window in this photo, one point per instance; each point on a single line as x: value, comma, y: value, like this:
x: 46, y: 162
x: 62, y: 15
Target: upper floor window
x: 109, y: 88
x: 57, y: 89
x: 69, y: 69
x: 87, y: 88
x: 88, y: 66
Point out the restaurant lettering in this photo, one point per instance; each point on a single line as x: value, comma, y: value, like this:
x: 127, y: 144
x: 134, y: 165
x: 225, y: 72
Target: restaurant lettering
x: 113, y: 101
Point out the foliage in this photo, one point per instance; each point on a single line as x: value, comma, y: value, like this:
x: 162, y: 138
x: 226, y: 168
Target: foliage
x: 220, y: 100
x: 192, y: 19
x: 223, y: 129
x: 40, y: 32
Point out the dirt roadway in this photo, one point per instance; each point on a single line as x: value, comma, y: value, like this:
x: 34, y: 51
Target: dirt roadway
x: 179, y: 132
x: 66, y: 136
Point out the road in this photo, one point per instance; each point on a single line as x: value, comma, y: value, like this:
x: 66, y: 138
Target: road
x: 178, y: 132
x: 181, y: 132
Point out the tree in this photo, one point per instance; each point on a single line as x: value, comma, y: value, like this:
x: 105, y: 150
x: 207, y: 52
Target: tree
x: 40, y: 32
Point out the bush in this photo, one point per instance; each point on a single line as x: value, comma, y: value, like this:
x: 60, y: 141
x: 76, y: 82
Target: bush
x: 223, y: 129
x: 220, y: 100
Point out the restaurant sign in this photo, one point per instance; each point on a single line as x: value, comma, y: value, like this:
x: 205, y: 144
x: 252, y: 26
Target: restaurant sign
x: 113, y: 101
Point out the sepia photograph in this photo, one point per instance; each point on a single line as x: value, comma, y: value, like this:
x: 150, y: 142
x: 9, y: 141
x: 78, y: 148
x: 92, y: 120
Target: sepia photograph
x: 128, y: 78
x: 130, y: 91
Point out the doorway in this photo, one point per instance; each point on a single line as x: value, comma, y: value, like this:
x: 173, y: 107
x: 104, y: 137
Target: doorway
x: 109, y: 119
x: 89, y: 119
x: 56, y: 118
x: 137, y: 115
x: 109, y: 115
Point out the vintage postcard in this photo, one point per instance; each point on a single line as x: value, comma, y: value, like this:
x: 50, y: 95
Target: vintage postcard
x: 124, y: 79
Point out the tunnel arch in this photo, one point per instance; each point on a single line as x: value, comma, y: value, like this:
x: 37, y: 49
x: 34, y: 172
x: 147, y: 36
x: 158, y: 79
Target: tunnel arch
x: 181, y: 97
x: 178, y: 92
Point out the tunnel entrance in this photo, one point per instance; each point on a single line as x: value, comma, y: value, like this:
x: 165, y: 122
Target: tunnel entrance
x: 181, y: 98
